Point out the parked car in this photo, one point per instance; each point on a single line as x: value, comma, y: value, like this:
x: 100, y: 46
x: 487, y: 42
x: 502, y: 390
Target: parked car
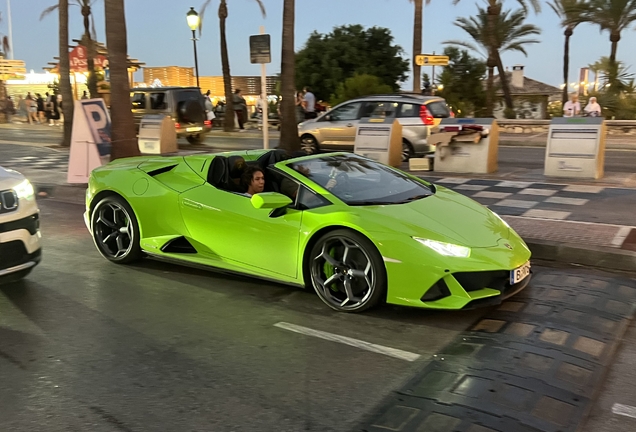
x: 20, y: 249
x: 336, y: 129
x: 185, y: 105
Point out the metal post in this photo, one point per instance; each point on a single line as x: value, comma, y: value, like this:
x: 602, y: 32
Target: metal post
x: 10, y: 30
x: 196, y: 60
x: 433, y: 79
x: 265, y: 106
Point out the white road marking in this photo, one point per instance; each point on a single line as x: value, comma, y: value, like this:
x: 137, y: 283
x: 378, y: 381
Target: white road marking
x: 471, y: 187
x: 488, y: 194
x: 567, y: 201
x: 516, y: 203
x: 621, y: 235
x: 453, y: 180
x: 514, y: 184
x: 624, y: 410
x: 391, y: 352
x: 567, y: 221
x: 546, y: 214
x: 584, y: 189
x: 543, y: 192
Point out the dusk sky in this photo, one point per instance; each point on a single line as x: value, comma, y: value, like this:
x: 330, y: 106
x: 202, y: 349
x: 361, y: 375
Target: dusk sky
x: 158, y: 34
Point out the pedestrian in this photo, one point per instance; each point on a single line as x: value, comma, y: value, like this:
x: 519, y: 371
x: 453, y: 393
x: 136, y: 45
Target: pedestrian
x: 32, y: 109
x: 309, y: 104
x: 40, y: 104
x: 240, y: 108
x: 593, y: 109
x: 9, y: 109
x: 572, y: 107
x: 209, y: 108
x: 300, y: 109
x: 85, y: 95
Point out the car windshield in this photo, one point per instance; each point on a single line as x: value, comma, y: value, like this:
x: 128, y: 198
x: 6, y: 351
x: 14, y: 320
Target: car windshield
x: 359, y: 181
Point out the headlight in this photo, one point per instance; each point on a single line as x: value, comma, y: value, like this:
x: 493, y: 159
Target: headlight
x: 446, y: 249
x: 24, y: 190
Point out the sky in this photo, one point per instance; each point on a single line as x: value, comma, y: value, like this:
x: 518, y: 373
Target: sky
x: 158, y: 34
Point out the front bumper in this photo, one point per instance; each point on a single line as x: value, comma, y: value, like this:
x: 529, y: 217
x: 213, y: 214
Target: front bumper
x: 20, y: 247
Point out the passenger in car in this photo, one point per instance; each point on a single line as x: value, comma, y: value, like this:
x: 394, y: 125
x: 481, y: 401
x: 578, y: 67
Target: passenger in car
x: 253, y: 180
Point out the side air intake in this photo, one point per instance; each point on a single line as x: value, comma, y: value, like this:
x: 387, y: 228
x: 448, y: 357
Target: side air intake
x: 161, y: 170
x: 178, y: 245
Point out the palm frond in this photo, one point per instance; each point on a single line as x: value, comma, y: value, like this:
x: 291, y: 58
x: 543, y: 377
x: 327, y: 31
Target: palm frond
x: 6, y: 46
x: 262, y: 7
x: 48, y: 10
x: 202, y: 14
x: 464, y: 44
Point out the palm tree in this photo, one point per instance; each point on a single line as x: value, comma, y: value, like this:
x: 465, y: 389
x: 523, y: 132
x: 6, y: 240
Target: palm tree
x: 493, y: 12
x: 571, y: 13
x: 289, y: 140
x: 6, y: 46
x: 228, y: 124
x: 613, y: 16
x: 87, y: 39
x: 417, y: 42
x: 511, y: 34
x: 123, y: 135
x: 64, y: 69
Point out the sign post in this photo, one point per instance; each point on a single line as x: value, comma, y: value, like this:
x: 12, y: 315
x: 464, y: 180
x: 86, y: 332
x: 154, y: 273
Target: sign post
x: 260, y: 52
x: 431, y: 60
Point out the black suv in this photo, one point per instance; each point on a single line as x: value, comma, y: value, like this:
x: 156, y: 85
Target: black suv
x: 185, y: 105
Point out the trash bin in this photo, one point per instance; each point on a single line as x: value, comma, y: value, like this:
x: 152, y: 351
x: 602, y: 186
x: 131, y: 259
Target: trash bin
x: 466, y: 145
x: 157, y: 135
x: 576, y: 147
x: 380, y: 139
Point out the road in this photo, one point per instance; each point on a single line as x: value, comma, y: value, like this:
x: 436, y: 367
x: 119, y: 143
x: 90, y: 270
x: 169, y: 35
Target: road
x: 511, y: 157
x: 89, y: 345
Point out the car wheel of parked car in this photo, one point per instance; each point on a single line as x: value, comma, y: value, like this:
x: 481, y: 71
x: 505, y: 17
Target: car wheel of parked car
x: 347, y: 271
x: 195, y: 139
x: 115, y: 230
x: 407, y: 151
x: 309, y: 144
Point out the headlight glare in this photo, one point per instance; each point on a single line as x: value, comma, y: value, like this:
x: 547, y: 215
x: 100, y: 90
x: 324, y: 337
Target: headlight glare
x: 24, y: 190
x: 446, y: 249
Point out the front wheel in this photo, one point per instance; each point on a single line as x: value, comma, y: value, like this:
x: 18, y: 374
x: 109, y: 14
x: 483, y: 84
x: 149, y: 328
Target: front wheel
x: 347, y: 271
x: 115, y: 230
x: 309, y: 144
x: 407, y: 151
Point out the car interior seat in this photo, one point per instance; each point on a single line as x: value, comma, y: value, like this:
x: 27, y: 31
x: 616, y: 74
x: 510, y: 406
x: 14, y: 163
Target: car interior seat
x: 218, y: 172
x: 236, y: 168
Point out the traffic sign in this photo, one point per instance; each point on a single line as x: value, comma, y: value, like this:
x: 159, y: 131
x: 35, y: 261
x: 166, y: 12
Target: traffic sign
x: 260, y: 51
x: 12, y: 69
x: 431, y: 60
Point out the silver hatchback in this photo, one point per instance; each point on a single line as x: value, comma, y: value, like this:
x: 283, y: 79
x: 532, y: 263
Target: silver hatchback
x: 336, y: 129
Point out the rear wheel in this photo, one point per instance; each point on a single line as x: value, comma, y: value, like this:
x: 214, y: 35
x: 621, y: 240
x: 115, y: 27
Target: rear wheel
x: 309, y: 144
x: 195, y: 139
x: 115, y: 230
x: 347, y: 271
x: 407, y: 151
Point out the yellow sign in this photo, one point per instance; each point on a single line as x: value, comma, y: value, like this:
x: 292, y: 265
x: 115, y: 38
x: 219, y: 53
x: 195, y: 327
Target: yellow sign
x: 431, y: 60
x: 12, y: 69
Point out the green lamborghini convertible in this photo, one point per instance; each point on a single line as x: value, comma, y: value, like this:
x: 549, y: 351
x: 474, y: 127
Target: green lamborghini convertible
x: 356, y: 231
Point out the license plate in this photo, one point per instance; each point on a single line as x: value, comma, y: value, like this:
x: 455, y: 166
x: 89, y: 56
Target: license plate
x: 520, y: 273
x: 194, y: 129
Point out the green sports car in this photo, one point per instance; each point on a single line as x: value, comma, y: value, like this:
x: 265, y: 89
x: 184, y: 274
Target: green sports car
x: 356, y: 231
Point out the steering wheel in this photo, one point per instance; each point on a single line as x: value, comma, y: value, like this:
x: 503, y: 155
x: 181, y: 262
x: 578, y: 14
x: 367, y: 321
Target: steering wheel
x: 342, y: 180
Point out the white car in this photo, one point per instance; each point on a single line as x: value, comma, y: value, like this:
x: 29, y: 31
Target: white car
x: 20, y: 248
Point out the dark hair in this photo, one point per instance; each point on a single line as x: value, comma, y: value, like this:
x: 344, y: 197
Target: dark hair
x: 237, y: 91
x: 248, y: 175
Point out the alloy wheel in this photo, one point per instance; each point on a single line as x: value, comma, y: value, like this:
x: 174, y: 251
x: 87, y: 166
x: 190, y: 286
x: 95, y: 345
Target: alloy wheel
x: 308, y: 145
x: 406, y: 152
x: 113, y: 230
x: 343, y: 274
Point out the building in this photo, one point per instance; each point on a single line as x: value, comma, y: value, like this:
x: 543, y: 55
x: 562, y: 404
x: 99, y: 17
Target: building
x: 530, y: 97
x: 170, y: 76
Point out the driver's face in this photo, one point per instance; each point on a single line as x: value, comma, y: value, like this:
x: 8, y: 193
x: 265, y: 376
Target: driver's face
x: 258, y: 182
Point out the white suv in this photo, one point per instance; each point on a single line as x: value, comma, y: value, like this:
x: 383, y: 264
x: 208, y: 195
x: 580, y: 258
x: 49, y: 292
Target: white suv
x: 20, y: 248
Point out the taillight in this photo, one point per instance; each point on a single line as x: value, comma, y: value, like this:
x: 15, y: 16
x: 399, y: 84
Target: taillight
x: 426, y: 116
x: 207, y: 123
x: 177, y: 126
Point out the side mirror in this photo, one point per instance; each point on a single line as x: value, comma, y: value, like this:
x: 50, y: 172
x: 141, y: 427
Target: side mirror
x: 270, y: 200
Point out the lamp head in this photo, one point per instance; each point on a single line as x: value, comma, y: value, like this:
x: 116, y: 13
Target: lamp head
x: 193, y: 19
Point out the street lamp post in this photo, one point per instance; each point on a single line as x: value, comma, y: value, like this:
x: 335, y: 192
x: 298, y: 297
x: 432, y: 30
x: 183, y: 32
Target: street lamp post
x: 193, y: 22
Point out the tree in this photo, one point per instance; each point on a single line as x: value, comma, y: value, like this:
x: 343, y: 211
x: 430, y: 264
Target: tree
x: 615, y: 16
x: 6, y: 45
x: 571, y: 13
x: 617, y: 77
x: 123, y: 136
x: 289, y: 139
x: 462, y: 82
x: 327, y: 60
x: 417, y: 41
x: 357, y: 86
x: 65, y: 71
x: 511, y: 34
x: 228, y: 124
x: 87, y: 39
x: 494, y: 58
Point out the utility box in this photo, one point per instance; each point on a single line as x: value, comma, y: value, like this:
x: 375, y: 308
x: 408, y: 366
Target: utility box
x: 380, y: 139
x: 157, y: 135
x: 576, y: 147
x: 466, y: 145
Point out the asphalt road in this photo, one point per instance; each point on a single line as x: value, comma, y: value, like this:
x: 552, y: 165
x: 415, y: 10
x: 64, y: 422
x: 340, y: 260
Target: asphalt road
x: 510, y: 157
x: 89, y: 345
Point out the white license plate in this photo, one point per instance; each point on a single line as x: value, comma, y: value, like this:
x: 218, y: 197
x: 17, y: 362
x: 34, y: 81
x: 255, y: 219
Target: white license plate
x: 194, y: 129
x: 520, y: 273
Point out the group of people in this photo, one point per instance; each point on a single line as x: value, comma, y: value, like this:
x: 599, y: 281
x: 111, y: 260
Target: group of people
x: 34, y: 109
x: 572, y: 107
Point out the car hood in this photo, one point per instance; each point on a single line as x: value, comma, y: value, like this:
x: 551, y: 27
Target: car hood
x: 445, y: 216
x: 9, y: 178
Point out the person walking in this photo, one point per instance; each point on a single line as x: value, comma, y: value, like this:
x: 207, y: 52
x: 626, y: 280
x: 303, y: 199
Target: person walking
x: 9, y: 109
x: 240, y: 108
x: 40, y: 104
x: 309, y: 104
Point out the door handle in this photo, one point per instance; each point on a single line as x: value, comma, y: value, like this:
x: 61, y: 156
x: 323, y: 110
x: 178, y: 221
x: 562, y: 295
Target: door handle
x: 192, y: 204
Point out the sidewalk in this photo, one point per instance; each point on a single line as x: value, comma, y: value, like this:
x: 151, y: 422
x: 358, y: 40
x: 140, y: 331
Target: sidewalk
x: 589, y: 223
